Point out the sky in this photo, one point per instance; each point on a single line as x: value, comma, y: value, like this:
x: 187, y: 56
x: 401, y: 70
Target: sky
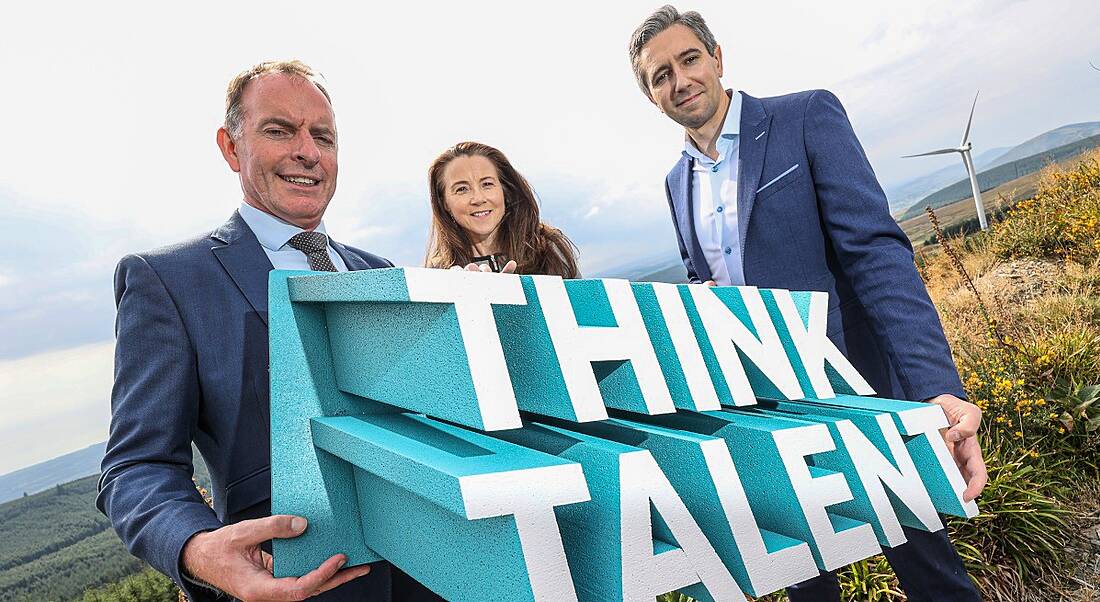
x: 109, y: 114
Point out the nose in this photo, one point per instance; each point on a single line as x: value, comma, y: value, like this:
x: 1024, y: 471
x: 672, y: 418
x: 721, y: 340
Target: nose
x: 679, y: 83
x: 478, y: 197
x: 306, y: 151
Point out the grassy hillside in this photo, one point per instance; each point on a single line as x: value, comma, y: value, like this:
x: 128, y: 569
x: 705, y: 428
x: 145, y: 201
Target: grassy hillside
x: 56, y: 545
x: 1021, y: 308
x: 1020, y: 305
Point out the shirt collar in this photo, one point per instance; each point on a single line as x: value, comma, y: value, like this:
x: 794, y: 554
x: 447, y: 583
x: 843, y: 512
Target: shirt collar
x: 731, y: 128
x: 271, y: 231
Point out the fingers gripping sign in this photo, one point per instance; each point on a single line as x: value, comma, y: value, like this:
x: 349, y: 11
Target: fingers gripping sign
x: 965, y: 418
x: 231, y: 560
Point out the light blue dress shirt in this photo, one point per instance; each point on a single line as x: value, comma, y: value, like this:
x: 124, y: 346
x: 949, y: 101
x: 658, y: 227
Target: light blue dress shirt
x: 714, y: 198
x: 273, y: 233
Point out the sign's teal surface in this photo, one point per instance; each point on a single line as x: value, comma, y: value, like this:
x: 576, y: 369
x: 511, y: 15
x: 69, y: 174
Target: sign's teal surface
x: 503, y: 437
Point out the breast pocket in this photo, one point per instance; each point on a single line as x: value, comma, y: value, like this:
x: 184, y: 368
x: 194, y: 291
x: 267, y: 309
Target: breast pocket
x: 779, y: 181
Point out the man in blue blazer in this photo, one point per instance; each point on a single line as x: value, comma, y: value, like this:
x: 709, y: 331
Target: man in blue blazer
x: 191, y: 358
x: 778, y: 193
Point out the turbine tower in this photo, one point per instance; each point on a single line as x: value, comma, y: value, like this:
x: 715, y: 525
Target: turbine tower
x: 964, y: 150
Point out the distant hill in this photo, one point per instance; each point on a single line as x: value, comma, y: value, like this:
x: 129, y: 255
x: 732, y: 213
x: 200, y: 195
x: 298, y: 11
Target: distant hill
x: 44, y: 475
x: 902, y: 196
x: 907, y: 194
x: 658, y: 268
x: 1000, y: 174
x: 1062, y: 136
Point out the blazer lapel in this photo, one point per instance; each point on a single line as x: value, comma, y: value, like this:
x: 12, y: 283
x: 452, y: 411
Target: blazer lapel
x: 353, y: 261
x: 686, y: 216
x: 755, y: 124
x: 244, y: 260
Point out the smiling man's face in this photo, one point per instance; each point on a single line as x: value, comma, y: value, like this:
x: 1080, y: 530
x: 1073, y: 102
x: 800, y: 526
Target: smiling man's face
x: 286, y: 151
x: 683, y: 80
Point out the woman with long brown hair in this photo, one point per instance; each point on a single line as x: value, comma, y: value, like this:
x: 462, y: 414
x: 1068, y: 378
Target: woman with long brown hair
x: 484, y: 211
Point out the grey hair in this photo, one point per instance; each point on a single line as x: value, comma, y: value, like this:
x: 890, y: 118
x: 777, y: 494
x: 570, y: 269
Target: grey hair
x: 660, y: 20
x: 234, y: 109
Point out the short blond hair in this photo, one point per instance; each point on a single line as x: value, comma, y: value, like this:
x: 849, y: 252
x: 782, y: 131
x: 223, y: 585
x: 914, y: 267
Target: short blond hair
x: 234, y: 111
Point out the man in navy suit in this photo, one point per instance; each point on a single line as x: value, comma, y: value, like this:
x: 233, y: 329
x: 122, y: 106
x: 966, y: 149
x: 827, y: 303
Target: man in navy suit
x: 777, y: 193
x: 191, y: 358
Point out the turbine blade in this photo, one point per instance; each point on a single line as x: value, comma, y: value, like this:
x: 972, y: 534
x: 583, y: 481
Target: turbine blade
x: 942, y: 151
x: 966, y: 135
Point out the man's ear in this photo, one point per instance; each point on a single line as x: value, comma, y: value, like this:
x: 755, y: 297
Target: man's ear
x: 718, y: 57
x: 229, y: 149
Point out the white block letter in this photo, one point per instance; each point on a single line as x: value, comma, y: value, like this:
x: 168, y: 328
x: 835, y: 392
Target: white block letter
x: 815, y: 494
x: 815, y: 348
x: 472, y: 294
x: 768, y: 571
x: 578, y: 346
x: 687, y: 347
x: 728, y: 335
x: 530, y: 495
x: 876, y: 473
x: 645, y: 574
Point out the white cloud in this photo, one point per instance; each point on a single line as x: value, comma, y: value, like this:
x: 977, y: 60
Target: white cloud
x: 54, y: 403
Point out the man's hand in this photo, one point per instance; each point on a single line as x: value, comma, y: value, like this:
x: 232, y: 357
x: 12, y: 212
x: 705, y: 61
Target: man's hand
x: 231, y: 560
x: 964, y: 418
x: 710, y: 283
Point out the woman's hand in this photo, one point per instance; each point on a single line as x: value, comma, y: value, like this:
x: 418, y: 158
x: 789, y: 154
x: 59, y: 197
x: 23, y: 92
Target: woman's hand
x: 509, y: 268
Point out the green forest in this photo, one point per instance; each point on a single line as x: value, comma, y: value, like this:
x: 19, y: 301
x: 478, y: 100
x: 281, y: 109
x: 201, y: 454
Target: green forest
x: 58, y: 547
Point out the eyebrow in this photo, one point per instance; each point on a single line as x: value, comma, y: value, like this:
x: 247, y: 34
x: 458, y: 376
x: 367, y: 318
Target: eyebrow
x: 679, y: 57
x: 323, y: 129
x: 278, y: 121
x: 687, y: 52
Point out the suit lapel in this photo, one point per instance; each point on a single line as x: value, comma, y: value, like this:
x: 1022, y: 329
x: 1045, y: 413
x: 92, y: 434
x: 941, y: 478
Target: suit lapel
x: 755, y: 124
x: 353, y: 261
x: 244, y: 260
x: 686, y: 216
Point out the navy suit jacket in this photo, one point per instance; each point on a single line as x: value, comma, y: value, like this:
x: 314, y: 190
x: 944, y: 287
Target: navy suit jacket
x: 812, y: 216
x: 191, y: 365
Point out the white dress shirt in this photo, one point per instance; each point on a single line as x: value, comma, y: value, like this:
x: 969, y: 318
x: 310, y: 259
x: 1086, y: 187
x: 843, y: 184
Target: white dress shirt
x: 714, y: 199
x: 273, y: 233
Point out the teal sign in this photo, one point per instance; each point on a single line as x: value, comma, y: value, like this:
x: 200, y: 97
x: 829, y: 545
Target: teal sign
x: 504, y: 437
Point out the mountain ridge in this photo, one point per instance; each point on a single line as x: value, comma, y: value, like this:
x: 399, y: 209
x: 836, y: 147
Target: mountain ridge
x: 43, y: 475
x: 902, y: 196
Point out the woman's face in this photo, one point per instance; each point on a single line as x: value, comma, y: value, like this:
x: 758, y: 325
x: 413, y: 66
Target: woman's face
x: 474, y: 197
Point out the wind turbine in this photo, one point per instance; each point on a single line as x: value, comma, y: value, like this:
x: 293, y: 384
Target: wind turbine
x: 964, y: 150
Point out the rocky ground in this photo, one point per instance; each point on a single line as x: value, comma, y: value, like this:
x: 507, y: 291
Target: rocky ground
x: 1087, y: 548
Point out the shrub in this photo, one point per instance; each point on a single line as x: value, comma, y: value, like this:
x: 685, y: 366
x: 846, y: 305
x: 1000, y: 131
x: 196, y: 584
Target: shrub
x: 146, y: 586
x: 1062, y: 220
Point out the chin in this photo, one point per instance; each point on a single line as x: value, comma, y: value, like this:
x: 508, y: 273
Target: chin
x: 690, y: 122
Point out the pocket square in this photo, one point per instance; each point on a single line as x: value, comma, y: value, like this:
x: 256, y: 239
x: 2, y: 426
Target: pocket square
x: 777, y: 178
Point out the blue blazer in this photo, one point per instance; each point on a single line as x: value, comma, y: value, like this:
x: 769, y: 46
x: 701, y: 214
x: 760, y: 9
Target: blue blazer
x: 812, y: 216
x: 191, y: 365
